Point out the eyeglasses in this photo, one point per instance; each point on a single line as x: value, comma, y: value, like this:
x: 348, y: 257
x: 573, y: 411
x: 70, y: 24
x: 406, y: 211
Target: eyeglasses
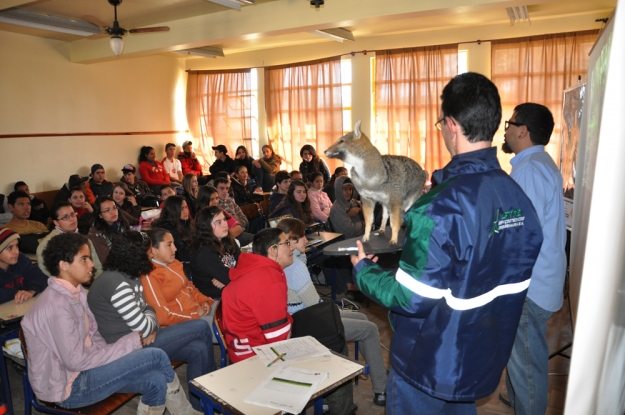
x: 287, y: 243
x: 218, y: 222
x: 509, y: 123
x: 438, y: 124
x: 111, y: 209
x: 67, y: 217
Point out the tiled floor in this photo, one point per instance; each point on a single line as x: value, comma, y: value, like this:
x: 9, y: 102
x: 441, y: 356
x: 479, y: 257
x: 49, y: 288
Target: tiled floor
x: 559, y: 334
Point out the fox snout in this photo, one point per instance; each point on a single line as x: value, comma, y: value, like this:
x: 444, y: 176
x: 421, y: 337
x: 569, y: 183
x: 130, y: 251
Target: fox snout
x: 335, y: 152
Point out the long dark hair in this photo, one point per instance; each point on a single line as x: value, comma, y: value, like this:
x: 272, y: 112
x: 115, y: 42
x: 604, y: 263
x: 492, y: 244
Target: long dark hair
x: 101, y: 225
x: 143, y: 153
x: 315, y: 158
x: 204, y: 196
x: 302, y: 210
x: 129, y: 254
x: 244, y: 149
x: 204, y: 235
x: 171, y: 215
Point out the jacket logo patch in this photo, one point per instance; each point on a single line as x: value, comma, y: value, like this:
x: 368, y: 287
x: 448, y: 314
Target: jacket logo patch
x: 509, y: 219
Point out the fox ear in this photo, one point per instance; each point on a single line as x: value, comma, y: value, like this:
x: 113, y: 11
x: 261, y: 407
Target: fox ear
x: 357, y: 133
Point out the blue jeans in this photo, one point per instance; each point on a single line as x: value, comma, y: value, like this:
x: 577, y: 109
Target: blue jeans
x: 264, y: 179
x: 145, y: 371
x: 402, y: 398
x: 527, y: 380
x: 191, y: 342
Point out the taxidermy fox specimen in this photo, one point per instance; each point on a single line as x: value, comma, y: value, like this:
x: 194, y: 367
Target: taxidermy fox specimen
x: 396, y: 182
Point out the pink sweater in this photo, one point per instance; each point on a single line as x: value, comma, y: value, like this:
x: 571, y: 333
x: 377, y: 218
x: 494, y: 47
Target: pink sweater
x: 320, y: 204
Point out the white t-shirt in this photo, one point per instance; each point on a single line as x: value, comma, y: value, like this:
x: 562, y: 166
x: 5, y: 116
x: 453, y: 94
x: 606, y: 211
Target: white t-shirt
x: 172, y: 167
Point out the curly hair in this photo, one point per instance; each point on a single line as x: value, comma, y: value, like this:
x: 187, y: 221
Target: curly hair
x: 302, y: 210
x: 129, y: 254
x: 100, y: 224
x: 204, y: 235
x: 315, y: 158
x: 62, y: 247
x: 143, y: 153
x: 170, y: 214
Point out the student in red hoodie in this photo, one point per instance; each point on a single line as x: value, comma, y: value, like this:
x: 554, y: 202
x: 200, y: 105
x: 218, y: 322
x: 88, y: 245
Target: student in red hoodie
x: 255, y: 302
x: 152, y: 171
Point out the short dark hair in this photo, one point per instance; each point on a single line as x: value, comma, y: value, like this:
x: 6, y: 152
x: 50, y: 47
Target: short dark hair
x: 129, y: 254
x: 294, y: 226
x: 282, y: 175
x: 13, y: 196
x: 295, y: 172
x: 473, y: 101
x: 169, y: 145
x: 156, y: 235
x: 239, y: 167
x: 18, y: 185
x: 538, y: 120
x: 62, y: 247
x: 165, y: 186
x: 54, y: 210
x: 222, y: 174
x: 313, y: 176
x: 264, y: 239
x: 219, y: 181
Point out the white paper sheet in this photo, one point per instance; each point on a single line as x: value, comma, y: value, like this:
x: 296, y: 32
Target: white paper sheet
x: 301, y: 348
x: 287, y: 389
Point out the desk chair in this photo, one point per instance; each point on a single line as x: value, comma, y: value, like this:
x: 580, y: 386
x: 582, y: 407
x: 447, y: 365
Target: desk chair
x: 223, y: 348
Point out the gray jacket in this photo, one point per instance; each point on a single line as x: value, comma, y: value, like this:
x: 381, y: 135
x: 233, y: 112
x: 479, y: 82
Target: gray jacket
x: 349, y: 226
x: 55, y: 333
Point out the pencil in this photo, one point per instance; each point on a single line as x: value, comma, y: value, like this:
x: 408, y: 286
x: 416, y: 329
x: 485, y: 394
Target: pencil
x: 280, y: 356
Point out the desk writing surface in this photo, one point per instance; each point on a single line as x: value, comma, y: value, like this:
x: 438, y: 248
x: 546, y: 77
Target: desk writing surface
x: 377, y: 244
x: 10, y: 310
x: 324, y: 237
x: 230, y: 385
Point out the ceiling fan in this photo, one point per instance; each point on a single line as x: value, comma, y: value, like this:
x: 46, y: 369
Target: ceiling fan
x: 116, y: 32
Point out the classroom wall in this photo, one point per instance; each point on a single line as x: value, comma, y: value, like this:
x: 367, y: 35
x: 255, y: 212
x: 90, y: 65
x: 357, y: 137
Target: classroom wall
x: 42, y: 92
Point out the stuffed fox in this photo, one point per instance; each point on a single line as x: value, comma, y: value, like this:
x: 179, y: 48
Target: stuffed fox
x: 394, y: 181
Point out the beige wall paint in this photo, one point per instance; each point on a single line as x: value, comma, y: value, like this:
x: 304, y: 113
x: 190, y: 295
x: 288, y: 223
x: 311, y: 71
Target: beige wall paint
x: 478, y: 57
x: 42, y: 92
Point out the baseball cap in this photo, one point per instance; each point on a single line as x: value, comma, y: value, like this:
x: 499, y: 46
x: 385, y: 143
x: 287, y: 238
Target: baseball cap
x: 221, y: 148
x: 129, y: 168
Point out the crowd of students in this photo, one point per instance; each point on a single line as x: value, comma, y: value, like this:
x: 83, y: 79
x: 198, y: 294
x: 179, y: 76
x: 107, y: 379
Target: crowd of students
x: 142, y: 309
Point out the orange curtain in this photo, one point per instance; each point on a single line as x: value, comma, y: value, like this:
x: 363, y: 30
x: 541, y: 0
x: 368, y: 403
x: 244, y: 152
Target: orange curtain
x: 219, y: 111
x: 303, y: 105
x: 538, y: 69
x: 408, y: 86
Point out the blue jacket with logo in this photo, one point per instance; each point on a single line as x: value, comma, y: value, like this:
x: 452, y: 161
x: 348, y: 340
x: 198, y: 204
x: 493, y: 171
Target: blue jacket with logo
x: 457, y: 297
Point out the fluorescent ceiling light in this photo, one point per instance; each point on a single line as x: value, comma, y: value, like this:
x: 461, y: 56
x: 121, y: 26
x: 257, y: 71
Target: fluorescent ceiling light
x: 43, y: 21
x: 518, y: 14
x: 207, y: 52
x: 232, y: 4
x: 337, y: 34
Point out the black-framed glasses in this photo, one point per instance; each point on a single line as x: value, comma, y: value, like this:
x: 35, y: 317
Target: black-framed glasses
x: 439, y: 125
x: 68, y: 216
x: 287, y: 243
x: 509, y: 123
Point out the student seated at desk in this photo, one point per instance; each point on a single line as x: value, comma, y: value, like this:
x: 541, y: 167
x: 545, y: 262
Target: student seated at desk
x: 168, y: 290
x: 214, y: 253
x: 283, y: 181
x: 107, y: 223
x: 64, y: 220
x: 38, y: 208
x: 19, y: 205
x: 127, y: 203
x: 118, y: 304
x: 320, y: 203
x: 19, y: 278
x: 208, y: 197
x: 301, y: 294
x: 82, y: 208
x: 63, y: 340
x: 346, y: 212
x: 176, y: 219
x: 227, y: 203
x: 295, y: 203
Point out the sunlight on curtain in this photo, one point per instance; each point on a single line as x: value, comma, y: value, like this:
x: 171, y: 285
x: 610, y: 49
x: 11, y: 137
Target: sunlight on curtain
x: 538, y: 69
x: 304, y: 106
x: 408, y: 85
x: 219, y: 111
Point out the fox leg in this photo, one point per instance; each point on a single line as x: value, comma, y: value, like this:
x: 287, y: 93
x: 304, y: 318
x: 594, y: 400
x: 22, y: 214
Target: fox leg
x: 367, y: 209
x: 384, y: 219
x: 396, y: 216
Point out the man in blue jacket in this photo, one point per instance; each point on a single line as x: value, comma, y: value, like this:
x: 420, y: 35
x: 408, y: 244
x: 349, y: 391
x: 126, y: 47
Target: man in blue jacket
x: 471, y: 243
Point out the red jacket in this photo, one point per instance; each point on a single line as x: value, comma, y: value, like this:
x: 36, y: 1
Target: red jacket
x: 153, y: 175
x: 254, y: 306
x: 189, y: 165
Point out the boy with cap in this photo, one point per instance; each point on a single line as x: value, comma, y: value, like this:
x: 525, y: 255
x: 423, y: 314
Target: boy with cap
x: 136, y: 186
x: 97, y: 185
x: 223, y: 162
x: 66, y: 191
x: 19, y: 278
